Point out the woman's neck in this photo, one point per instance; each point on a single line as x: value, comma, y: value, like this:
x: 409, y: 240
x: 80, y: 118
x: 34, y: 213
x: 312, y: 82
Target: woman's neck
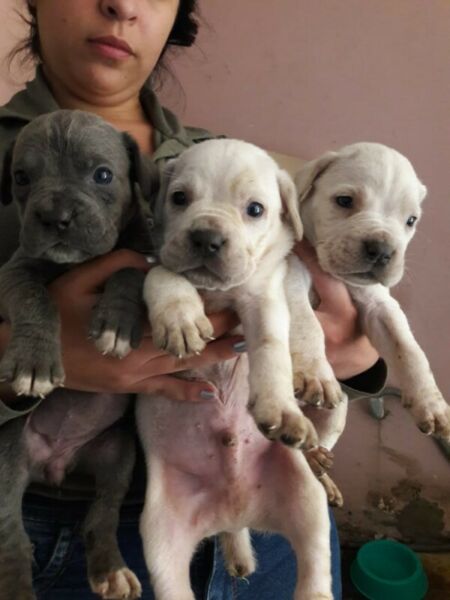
x: 122, y: 111
x: 125, y: 113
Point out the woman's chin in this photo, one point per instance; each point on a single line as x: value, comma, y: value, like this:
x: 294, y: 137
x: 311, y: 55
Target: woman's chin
x: 105, y: 84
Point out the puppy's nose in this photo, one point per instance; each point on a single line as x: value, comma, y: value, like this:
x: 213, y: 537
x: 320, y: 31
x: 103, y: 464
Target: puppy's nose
x: 57, y: 219
x: 206, y: 242
x: 377, y: 252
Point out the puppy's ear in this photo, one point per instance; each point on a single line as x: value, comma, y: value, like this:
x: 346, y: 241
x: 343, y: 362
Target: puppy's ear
x: 166, y: 176
x: 305, y: 178
x: 143, y: 173
x: 422, y: 191
x: 288, y: 195
x: 6, y: 182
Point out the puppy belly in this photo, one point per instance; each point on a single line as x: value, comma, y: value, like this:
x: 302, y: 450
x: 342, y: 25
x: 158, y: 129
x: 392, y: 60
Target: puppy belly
x: 58, y: 428
x: 213, y: 467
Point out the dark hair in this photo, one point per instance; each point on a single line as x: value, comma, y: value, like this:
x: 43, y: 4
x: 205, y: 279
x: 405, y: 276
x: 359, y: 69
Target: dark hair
x: 184, y: 32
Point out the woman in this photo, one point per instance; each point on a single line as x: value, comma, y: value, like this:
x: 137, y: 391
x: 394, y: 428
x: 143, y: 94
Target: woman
x: 98, y: 55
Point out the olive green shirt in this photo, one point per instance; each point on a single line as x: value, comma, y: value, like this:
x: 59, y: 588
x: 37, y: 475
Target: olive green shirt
x: 170, y: 138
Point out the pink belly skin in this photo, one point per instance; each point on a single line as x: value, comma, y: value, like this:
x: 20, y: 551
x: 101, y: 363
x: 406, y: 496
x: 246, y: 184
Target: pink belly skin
x: 210, y: 471
x: 64, y: 423
x: 210, y: 454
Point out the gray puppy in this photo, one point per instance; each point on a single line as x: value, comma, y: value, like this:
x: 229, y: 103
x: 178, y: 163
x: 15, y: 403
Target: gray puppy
x: 78, y: 184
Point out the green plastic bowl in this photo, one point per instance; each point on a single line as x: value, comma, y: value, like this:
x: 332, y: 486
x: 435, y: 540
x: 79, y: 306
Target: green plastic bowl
x: 388, y: 570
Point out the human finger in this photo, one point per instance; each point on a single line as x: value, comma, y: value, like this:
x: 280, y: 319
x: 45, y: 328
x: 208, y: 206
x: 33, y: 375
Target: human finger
x: 220, y: 350
x: 181, y: 390
x: 223, y: 322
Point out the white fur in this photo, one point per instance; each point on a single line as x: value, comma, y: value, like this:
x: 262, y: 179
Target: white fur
x: 386, y: 192
x: 209, y: 468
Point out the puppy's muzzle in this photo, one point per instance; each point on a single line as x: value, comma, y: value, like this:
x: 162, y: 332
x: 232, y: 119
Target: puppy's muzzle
x: 206, y: 243
x: 377, y: 253
x: 58, y: 219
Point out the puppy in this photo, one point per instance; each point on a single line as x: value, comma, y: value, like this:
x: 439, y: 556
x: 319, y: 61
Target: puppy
x: 229, y: 217
x: 76, y: 182
x: 360, y: 207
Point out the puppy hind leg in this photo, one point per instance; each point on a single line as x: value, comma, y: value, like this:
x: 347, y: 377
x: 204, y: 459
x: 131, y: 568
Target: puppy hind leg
x: 169, y: 542
x: 108, y: 574
x: 238, y: 553
x: 314, y: 380
x: 15, y: 547
x: 309, y: 535
x: 329, y: 426
x: 301, y: 515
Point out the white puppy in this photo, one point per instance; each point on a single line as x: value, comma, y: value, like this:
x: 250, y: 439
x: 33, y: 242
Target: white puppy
x: 359, y: 207
x: 229, y: 216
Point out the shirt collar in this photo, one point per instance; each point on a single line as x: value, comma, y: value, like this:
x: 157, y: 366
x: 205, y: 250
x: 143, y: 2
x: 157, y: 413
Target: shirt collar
x: 169, y: 136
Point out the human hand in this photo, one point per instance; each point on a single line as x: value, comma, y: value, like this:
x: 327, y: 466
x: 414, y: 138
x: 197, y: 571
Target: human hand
x: 348, y: 350
x: 144, y: 370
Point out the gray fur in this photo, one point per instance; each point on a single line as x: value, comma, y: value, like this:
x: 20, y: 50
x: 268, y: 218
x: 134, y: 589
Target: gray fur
x: 68, y: 217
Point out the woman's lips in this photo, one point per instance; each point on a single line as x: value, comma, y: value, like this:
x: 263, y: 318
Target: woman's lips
x: 111, y: 47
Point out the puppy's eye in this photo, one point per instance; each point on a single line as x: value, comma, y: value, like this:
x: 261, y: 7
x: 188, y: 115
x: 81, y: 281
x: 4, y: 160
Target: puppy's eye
x: 179, y: 198
x: 255, y: 209
x: 410, y: 222
x: 103, y: 176
x: 21, y: 178
x: 344, y: 201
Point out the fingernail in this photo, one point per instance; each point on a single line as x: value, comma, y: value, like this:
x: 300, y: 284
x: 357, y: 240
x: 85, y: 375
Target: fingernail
x: 240, y: 347
x: 207, y: 395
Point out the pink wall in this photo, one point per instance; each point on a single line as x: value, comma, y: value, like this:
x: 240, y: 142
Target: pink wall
x: 300, y: 77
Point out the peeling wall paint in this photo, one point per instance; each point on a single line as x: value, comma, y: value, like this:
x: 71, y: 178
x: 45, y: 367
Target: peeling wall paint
x: 395, y: 481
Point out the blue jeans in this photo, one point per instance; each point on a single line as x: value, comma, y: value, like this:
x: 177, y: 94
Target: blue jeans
x: 59, y: 569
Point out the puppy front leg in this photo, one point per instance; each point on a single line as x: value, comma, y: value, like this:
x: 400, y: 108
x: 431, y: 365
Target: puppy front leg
x: 388, y: 329
x: 32, y: 361
x: 314, y: 380
x: 176, y: 313
x: 118, y: 318
x: 265, y: 319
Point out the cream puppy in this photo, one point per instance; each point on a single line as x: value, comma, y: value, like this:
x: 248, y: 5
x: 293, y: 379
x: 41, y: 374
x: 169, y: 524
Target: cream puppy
x: 360, y: 207
x: 229, y: 218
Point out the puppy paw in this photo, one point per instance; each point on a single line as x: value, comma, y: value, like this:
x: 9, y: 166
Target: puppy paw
x: 32, y: 367
x: 116, y: 330
x: 316, y: 390
x: 430, y: 411
x: 117, y: 585
x: 183, y: 329
x: 283, y: 421
x: 113, y: 344
x: 334, y: 495
x: 319, y: 459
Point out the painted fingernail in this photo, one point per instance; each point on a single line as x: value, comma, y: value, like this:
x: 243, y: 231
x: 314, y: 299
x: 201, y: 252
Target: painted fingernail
x: 206, y: 395
x: 240, y: 347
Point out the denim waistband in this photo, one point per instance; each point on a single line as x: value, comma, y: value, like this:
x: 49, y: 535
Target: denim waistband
x: 62, y: 511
